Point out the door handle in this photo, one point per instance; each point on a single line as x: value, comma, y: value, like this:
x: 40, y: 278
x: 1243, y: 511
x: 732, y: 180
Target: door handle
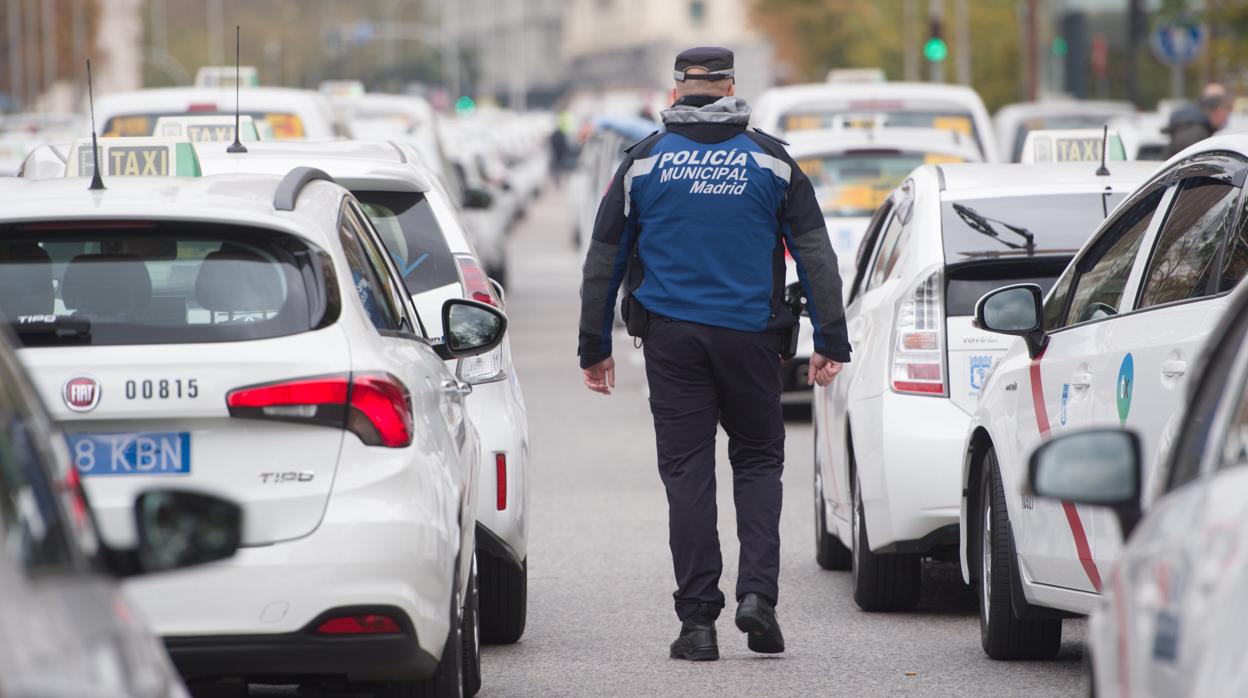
x: 1173, y: 368
x: 1080, y: 381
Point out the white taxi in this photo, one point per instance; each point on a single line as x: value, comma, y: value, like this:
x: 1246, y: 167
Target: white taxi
x: 291, y: 114
x: 1119, y: 332
x: 853, y: 171
x: 1170, y: 620
x: 818, y: 106
x: 250, y: 335
x: 889, y: 431
x: 419, y: 227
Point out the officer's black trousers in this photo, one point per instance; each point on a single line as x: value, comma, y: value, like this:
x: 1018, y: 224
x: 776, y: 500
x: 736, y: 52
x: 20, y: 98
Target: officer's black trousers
x: 701, y: 377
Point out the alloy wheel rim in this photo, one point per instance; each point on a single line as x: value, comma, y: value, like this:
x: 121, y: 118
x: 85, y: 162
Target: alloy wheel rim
x: 985, y: 547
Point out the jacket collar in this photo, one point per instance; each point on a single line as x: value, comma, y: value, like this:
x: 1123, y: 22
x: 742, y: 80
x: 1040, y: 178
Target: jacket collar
x: 699, y: 109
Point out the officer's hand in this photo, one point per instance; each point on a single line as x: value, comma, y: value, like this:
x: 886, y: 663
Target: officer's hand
x: 822, y: 370
x: 600, y: 377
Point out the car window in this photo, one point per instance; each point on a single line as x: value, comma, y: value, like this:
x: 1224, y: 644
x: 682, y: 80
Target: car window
x: 1209, y: 391
x: 889, y: 252
x: 368, y: 278
x: 870, y: 237
x: 1102, y: 273
x: 1186, y: 250
x: 151, y: 282
x: 410, y: 230
x: 1236, y: 263
x: 1055, y: 302
x: 34, y: 534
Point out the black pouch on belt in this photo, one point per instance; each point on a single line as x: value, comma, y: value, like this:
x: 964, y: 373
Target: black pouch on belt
x: 795, y: 301
x: 636, y: 317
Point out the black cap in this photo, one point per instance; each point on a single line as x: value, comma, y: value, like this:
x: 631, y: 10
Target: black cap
x: 717, y: 61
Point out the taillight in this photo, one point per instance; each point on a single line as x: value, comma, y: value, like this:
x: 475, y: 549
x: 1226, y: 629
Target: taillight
x: 367, y: 624
x: 373, y: 406
x: 918, y: 356
x: 500, y: 474
x: 477, y: 285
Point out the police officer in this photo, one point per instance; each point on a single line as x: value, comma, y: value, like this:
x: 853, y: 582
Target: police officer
x: 698, y: 218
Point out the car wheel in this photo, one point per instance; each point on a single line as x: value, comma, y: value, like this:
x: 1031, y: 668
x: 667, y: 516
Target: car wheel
x: 881, y: 582
x: 1004, y: 635
x: 471, y: 634
x: 504, y: 599
x: 830, y: 553
x: 448, y: 679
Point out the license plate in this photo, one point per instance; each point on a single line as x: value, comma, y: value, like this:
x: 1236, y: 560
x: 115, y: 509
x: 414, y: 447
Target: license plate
x: 135, y: 453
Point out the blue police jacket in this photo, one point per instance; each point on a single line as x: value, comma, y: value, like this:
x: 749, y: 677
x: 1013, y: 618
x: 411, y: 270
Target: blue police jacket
x: 710, y: 206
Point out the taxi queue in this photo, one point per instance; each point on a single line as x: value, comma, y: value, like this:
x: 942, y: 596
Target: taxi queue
x: 1029, y: 336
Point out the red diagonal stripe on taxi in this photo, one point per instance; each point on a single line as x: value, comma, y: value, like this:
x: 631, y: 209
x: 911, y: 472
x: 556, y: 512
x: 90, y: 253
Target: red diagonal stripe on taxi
x: 1072, y: 514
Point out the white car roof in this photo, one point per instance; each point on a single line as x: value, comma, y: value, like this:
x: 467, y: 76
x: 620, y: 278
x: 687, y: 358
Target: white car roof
x: 312, y: 108
x: 1236, y: 143
x: 231, y: 199
x: 973, y: 181
x: 807, y: 143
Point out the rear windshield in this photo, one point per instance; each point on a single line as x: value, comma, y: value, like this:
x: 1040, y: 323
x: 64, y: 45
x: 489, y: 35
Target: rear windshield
x: 125, y: 283
x: 967, y: 283
x: 868, y: 116
x: 408, y: 226
x: 854, y: 184
x: 1058, y: 223
x: 279, y: 126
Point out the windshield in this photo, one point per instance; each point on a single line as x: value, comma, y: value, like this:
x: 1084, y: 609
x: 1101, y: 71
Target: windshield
x: 111, y: 283
x: 1056, y: 223
x: 854, y: 184
x: 408, y: 226
x: 276, y: 125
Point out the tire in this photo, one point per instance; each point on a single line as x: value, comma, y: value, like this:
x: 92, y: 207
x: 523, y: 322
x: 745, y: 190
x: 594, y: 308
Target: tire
x: 1004, y: 635
x: 504, y: 599
x: 830, y: 552
x: 448, y: 679
x: 881, y: 582
x: 471, y: 634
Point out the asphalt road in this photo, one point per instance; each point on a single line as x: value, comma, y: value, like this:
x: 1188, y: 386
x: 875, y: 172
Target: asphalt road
x: 600, y: 612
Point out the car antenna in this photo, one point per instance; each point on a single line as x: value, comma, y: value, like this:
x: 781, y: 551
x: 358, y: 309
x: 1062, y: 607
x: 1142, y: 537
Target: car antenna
x: 237, y: 146
x: 97, y: 182
x: 1104, y: 171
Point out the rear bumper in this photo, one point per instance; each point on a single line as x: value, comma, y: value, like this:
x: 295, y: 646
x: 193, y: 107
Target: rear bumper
x: 912, y: 501
x: 306, y: 653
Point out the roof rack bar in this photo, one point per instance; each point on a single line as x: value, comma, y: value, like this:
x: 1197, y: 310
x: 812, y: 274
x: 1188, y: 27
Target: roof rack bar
x: 292, y: 185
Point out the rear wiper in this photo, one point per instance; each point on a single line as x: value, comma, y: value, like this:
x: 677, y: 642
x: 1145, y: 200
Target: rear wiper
x: 982, y: 224
x: 42, y: 330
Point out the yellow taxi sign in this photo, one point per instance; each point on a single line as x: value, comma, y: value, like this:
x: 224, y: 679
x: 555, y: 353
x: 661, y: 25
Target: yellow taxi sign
x: 1072, y: 145
x: 134, y: 157
x: 206, y: 129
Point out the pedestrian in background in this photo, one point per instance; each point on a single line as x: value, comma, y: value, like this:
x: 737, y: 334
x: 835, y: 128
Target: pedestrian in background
x: 698, y: 218
x: 1194, y: 123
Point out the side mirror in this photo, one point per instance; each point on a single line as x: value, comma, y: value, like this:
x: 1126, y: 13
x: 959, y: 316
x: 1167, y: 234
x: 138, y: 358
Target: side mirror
x: 470, y: 328
x: 177, y: 529
x: 1100, y: 467
x: 478, y: 198
x: 1014, y: 310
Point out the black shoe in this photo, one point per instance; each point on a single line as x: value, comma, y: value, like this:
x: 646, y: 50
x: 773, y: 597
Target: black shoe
x: 696, y: 642
x: 756, y: 617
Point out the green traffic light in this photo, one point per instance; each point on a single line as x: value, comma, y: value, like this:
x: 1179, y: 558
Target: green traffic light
x: 1060, y: 47
x: 465, y: 105
x: 936, y: 50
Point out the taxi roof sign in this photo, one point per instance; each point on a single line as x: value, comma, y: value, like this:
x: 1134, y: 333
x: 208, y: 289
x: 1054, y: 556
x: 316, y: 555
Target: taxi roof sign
x: 1072, y: 145
x: 135, y: 157
x: 225, y: 76
x: 206, y: 129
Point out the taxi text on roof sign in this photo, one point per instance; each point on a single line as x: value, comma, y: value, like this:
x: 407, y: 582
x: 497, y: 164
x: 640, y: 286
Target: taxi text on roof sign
x: 1073, y: 145
x: 206, y: 129
x: 135, y: 157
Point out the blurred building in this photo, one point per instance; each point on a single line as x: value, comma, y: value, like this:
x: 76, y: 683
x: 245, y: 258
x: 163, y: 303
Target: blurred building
x: 508, y: 51
x: 609, y: 43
